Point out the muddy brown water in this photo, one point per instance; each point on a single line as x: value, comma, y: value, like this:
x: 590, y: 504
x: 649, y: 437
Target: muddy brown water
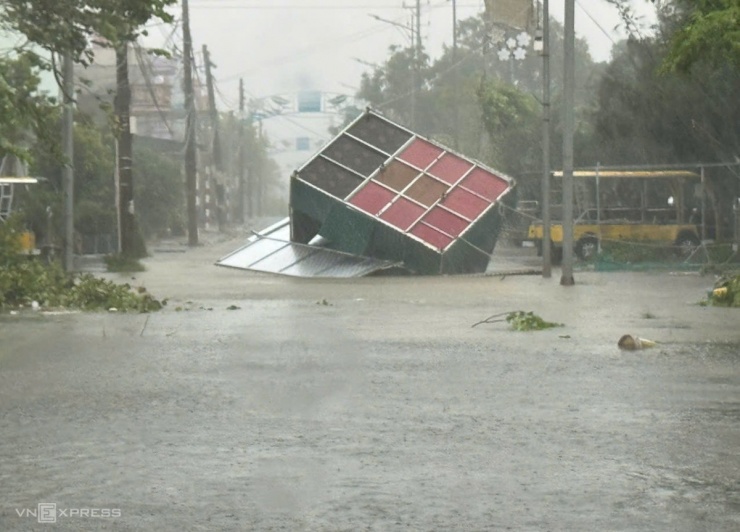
x: 372, y: 404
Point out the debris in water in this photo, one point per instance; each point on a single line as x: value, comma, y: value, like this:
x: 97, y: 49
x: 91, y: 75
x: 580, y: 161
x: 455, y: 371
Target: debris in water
x: 521, y: 321
x: 633, y: 343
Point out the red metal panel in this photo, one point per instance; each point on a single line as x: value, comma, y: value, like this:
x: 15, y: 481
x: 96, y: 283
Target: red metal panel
x: 450, y: 168
x: 372, y: 198
x: 465, y: 203
x: 485, y: 183
x: 420, y: 153
x: 402, y: 213
x: 446, y: 221
x: 431, y: 235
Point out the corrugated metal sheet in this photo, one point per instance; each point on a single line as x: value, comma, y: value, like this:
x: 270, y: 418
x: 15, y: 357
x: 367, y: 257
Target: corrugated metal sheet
x: 271, y: 251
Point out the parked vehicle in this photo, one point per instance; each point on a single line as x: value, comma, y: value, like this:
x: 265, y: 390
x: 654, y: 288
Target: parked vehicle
x: 668, y: 224
x: 587, y: 234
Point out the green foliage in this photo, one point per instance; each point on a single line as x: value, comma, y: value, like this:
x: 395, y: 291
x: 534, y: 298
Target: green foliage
x: 30, y: 280
x: 634, y: 252
x: 26, y: 113
x: 94, y: 193
x: 709, y: 34
x: 159, y: 192
x: 512, y: 119
x: 520, y: 320
x: 61, y: 26
x: 650, y: 115
x: 460, y: 94
x: 24, y: 280
x: 92, y: 293
x: 726, y: 292
x: 10, y: 244
x: 528, y: 321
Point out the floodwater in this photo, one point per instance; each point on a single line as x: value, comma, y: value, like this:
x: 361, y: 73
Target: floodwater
x: 372, y: 404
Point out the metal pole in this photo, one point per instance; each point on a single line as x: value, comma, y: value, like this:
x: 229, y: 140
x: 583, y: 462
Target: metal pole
x: 68, y: 170
x: 125, y: 151
x: 190, y: 163
x: 598, y: 210
x: 240, y: 202
x: 117, y: 186
x: 546, y: 239
x: 703, y: 206
x: 455, y: 103
x: 417, y: 59
x: 566, y: 278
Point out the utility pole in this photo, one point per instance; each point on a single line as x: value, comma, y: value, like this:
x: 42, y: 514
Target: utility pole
x: 566, y: 278
x: 68, y: 170
x: 217, y: 190
x: 217, y: 155
x: 259, y: 177
x: 456, y: 101
x: 417, y: 65
x: 190, y: 168
x: 240, y: 201
x: 125, y: 152
x: 546, y: 239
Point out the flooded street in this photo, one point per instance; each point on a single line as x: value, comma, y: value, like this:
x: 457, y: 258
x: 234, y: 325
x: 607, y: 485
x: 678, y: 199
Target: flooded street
x: 255, y: 402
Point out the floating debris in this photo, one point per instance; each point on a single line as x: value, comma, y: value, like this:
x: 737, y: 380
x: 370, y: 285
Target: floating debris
x: 521, y: 321
x: 633, y: 343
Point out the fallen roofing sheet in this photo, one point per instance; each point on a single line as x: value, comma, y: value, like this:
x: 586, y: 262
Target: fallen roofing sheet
x: 271, y: 251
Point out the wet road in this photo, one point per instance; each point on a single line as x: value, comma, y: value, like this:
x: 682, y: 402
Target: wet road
x: 379, y: 410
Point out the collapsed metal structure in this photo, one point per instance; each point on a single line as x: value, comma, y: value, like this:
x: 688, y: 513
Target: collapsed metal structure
x: 389, y: 198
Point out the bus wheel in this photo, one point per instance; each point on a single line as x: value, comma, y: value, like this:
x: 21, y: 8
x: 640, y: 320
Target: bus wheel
x: 587, y: 247
x: 686, y: 244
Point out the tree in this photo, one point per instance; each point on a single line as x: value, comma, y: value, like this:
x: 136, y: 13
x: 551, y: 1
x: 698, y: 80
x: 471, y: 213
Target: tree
x: 160, y: 195
x: 66, y: 26
x: 94, y: 193
x: 512, y: 120
x: 25, y: 112
x: 486, y: 107
x: 709, y: 32
x: 648, y: 114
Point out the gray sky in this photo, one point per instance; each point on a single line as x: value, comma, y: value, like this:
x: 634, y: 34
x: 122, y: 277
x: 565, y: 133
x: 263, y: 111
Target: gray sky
x: 281, y: 46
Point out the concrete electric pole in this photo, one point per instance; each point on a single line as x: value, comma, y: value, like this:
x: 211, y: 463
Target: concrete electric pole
x: 68, y: 170
x: 546, y: 239
x: 566, y: 278
x: 190, y: 163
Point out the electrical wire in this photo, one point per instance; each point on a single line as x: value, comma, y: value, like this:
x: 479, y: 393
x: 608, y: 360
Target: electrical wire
x: 204, y: 4
x: 148, y: 73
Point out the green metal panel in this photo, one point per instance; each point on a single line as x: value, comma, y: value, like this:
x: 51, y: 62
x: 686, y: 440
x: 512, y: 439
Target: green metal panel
x: 348, y: 230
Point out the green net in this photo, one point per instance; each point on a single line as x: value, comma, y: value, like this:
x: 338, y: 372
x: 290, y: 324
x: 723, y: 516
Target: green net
x: 626, y: 255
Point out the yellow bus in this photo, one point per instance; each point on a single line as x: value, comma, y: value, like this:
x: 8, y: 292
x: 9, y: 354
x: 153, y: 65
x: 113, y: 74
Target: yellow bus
x: 668, y: 226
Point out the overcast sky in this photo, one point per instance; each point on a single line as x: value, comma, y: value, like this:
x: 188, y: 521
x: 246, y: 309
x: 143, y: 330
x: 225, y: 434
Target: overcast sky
x: 282, y: 46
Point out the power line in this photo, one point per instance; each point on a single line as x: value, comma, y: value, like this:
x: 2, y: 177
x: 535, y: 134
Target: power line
x: 204, y: 4
x: 148, y: 73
